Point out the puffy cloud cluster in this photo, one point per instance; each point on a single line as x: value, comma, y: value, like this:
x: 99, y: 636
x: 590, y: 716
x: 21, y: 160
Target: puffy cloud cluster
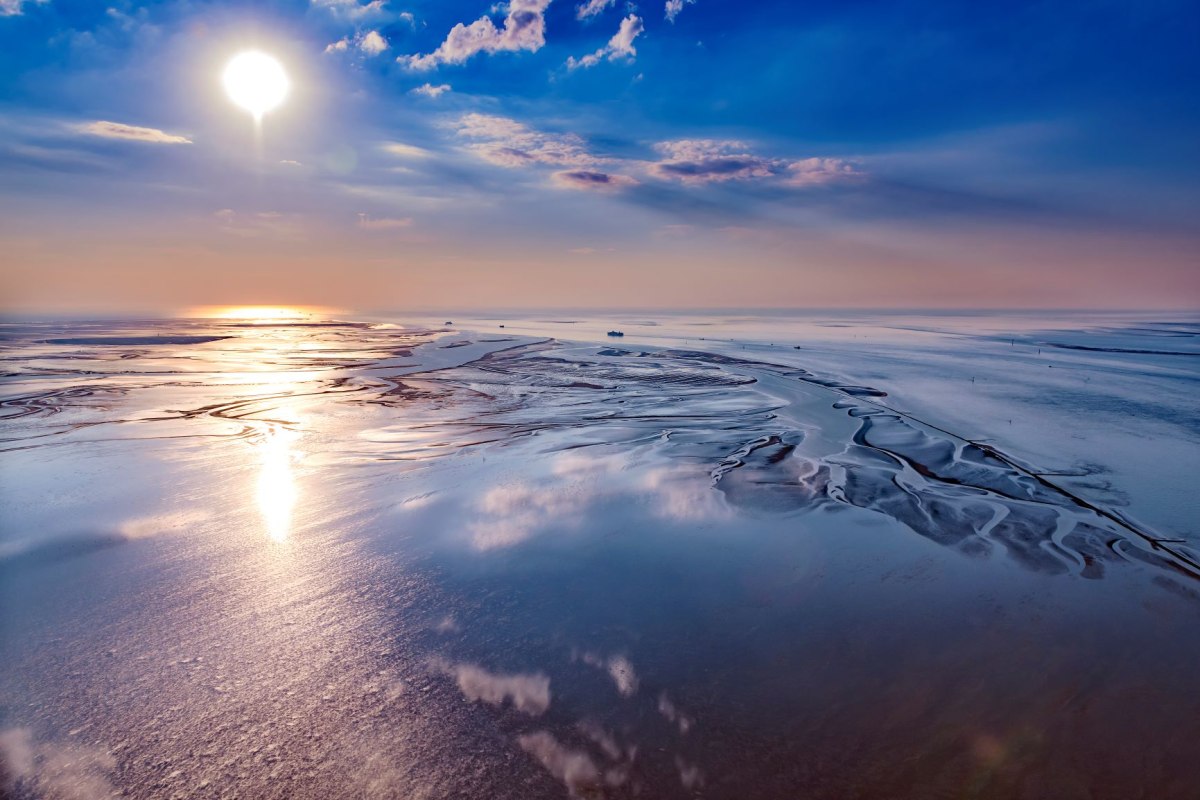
x: 708, y: 160
x: 694, y: 162
x: 524, y: 29
x: 372, y: 43
x: 619, y: 46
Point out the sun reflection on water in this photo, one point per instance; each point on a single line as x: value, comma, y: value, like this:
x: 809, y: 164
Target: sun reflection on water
x: 277, y: 492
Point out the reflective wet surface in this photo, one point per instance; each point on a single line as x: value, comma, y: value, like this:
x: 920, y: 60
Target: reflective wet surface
x: 717, y: 557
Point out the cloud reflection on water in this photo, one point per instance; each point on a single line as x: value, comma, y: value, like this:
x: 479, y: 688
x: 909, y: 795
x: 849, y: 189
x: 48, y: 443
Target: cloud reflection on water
x: 514, y: 513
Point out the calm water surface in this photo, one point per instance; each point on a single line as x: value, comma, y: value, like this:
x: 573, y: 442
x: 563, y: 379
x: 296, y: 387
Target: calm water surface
x: 727, y: 557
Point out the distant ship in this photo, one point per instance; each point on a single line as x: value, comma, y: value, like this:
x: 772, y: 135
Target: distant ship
x: 448, y: 322
x: 616, y: 333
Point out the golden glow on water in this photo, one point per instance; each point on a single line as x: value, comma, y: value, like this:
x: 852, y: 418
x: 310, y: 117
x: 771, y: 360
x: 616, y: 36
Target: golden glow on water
x: 277, y: 493
x: 261, y: 313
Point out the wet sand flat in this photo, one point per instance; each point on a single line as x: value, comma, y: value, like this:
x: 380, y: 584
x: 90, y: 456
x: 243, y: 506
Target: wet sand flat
x: 727, y: 557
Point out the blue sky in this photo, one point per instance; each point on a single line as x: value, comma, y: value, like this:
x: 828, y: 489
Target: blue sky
x: 555, y: 153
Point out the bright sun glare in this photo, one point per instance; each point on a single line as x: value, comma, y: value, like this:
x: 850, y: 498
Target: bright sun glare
x: 256, y: 82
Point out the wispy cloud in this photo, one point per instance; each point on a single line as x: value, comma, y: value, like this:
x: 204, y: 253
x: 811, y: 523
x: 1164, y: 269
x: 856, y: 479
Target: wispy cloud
x: 260, y: 224
x: 592, y: 8
x: 673, y: 7
x: 402, y: 150
x: 429, y: 90
x: 816, y: 171
x: 11, y: 8
x: 592, y: 180
x: 524, y: 29
x: 135, y: 133
x: 352, y: 10
x: 508, y: 143
x: 618, y: 47
x: 700, y: 161
x: 383, y: 223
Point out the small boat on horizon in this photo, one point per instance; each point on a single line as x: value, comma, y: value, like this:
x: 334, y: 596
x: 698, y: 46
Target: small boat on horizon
x: 616, y: 333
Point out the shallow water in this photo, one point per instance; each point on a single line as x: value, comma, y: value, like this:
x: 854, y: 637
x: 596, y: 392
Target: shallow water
x: 755, y: 556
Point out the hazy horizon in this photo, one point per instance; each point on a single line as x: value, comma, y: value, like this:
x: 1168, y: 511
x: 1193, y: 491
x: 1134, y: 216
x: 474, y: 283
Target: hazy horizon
x: 710, y: 154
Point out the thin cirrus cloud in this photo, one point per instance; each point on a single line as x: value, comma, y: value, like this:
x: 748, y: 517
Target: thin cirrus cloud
x: 673, y: 7
x: 133, y: 133
x: 402, y: 150
x: 620, y: 46
x: 592, y: 8
x: 524, y: 29
x: 352, y: 10
x: 367, y: 223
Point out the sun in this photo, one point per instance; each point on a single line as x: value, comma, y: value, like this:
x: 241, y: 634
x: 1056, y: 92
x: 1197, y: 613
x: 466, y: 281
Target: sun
x: 256, y: 82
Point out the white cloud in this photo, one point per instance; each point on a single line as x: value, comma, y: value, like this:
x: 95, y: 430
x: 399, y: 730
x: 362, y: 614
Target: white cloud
x: 509, y: 143
x: 383, y: 223
x: 592, y: 8
x: 11, y: 8
x: 711, y: 161
x: 673, y: 7
x: 429, y: 90
x: 619, y: 46
x: 352, y: 9
x: 528, y: 692
x: 817, y: 171
x: 524, y: 29
x: 402, y: 150
x: 118, y: 130
x: 372, y: 43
